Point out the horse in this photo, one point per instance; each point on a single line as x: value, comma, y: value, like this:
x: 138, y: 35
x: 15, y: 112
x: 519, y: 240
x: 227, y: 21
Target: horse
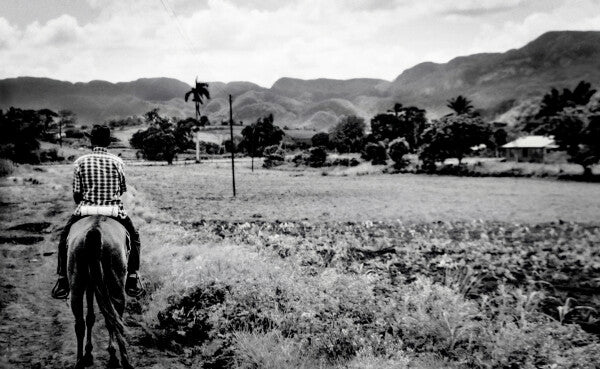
x: 97, y: 266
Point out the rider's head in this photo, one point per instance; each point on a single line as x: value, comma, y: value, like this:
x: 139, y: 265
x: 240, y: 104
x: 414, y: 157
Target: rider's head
x: 100, y: 136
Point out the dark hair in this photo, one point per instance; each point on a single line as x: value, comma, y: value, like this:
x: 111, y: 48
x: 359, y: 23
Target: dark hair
x: 100, y: 136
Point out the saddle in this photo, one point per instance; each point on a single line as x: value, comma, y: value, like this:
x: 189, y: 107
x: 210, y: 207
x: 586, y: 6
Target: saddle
x: 108, y: 211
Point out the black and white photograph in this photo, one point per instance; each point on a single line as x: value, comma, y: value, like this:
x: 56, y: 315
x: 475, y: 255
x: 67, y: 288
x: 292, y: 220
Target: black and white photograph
x: 274, y: 184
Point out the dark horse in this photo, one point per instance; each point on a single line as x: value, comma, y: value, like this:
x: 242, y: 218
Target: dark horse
x: 97, y: 266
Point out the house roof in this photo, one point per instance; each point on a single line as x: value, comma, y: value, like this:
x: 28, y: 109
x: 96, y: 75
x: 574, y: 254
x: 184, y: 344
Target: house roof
x: 532, y: 142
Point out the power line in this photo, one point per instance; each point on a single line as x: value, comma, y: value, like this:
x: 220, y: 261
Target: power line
x: 187, y: 40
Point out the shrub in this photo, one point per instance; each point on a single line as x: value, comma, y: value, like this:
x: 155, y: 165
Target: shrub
x: 74, y: 133
x: 375, y: 152
x: 397, y: 149
x: 317, y: 157
x: 50, y: 155
x: 6, y: 167
x: 320, y: 139
x: 348, y: 134
x: 274, y: 156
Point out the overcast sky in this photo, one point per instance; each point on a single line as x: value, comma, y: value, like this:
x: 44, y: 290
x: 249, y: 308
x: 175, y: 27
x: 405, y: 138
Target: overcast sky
x: 263, y: 40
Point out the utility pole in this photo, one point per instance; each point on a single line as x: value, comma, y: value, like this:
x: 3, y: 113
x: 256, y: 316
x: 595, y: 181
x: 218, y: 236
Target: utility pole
x: 232, y: 145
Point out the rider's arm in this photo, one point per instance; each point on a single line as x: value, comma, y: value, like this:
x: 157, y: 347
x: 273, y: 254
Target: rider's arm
x: 77, y: 186
x: 122, y: 182
x: 77, y: 196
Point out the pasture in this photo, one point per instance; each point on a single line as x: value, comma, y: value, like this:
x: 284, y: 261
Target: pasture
x: 307, y: 270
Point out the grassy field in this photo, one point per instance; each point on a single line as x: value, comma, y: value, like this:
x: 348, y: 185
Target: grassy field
x: 197, y: 192
x: 345, y: 270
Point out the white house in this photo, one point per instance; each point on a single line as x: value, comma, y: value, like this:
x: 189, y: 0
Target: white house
x: 529, y: 148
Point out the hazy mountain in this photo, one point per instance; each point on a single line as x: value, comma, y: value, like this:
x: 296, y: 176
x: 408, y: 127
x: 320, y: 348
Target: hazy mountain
x: 498, y: 81
x: 500, y: 84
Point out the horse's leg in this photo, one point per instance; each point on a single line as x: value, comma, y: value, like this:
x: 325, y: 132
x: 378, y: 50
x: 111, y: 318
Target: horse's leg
x: 88, y: 358
x: 77, y: 308
x: 119, y: 304
x: 113, y: 362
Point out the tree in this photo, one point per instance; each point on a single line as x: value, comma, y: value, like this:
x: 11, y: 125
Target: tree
x: 460, y: 105
x: 408, y: 122
x: 573, y: 121
x: 396, y: 151
x: 577, y: 131
x: 376, y: 153
x: 396, y: 110
x: 320, y: 139
x: 198, y: 92
x: 452, y: 136
x: 348, y: 134
x: 67, y: 118
x: 554, y: 102
x: 257, y: 136
x: 158, y: 141
x: 21, y: 131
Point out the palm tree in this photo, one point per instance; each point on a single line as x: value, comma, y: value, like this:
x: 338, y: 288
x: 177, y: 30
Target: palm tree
x: 460, y: 105
x: 396, y: 110
x: 198, y: 92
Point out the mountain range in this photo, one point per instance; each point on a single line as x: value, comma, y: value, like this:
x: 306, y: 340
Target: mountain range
x: 500, y: 85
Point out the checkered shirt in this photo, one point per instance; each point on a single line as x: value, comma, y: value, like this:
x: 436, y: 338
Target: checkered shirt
x: 100, y: 178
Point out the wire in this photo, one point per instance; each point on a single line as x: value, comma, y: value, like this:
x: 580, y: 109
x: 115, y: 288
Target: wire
x: 187, y: 40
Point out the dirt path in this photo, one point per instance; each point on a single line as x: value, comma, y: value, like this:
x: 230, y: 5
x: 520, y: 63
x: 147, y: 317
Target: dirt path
x: 37, y: 331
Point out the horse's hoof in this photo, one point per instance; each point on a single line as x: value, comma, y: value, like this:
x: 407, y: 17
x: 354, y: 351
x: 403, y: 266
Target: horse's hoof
x: 113, y: 362
x: 80, y: 364
x: 127, y: 366
x: 88, y: 360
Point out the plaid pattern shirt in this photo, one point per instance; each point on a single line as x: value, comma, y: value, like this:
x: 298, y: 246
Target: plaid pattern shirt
x: 100, y: 178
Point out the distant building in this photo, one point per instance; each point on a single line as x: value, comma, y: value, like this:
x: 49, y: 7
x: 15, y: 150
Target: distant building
x: 529, y: 149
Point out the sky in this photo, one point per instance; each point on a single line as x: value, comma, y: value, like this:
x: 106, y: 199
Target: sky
x: 263, y: 40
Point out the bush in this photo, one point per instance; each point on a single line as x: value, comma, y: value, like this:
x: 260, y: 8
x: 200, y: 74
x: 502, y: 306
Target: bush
x: 50, y: 155
x: 348, y: 134
x: 6, y: 167
x: 74, y: 133
x: 376, y: 153
x: 317, y: 157
x: 320, y: 139
x: 274, y: 156
x: 397, y: 149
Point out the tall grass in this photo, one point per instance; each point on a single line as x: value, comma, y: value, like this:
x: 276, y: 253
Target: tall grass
x: 7, y: 167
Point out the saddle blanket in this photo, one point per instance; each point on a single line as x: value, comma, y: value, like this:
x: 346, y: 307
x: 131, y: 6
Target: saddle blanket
x: 107, y: 210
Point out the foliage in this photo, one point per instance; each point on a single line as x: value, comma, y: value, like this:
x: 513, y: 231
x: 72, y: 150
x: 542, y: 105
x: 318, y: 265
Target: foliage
x: 460, y: 105
x: 124, y: 122
x: 21, y: 132
x: 198, y: 92
x: 259, y: 135
x: 376, y: 153
x: 554, y: 101
x: 6, y: 167
x: 348, y: 134
x: 157, y: 142
x: 274, y: 156
x: 452, y: 137
x: 317, y: 157
x: 573, y: 121
x: 396, y: 151
x: 406, y: 122
x: 320, y: 139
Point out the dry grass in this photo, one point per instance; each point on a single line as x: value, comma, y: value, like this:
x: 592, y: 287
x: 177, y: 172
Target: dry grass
x: 196, y: 192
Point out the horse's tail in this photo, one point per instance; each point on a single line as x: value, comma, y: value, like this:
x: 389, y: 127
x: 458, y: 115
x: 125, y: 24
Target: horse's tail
x: 93, y: 245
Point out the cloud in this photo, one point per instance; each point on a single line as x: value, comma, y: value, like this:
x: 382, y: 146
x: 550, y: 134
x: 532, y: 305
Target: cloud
x: 56, y: 32
x: 262, y: 40
x: 475, y: 7
x: 570, y: 15
x: 8, y: 34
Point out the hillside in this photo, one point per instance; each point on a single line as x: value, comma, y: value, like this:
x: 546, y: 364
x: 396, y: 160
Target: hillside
x: 499, y: 84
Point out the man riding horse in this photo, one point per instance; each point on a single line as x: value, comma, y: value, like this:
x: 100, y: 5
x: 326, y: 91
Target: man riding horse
x: 98, y: 184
